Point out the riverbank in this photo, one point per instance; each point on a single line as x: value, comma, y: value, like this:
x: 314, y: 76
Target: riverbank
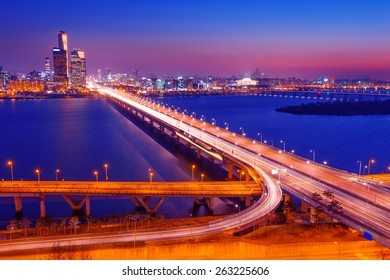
x: 299, y: 242
x: 47, y: 96
x: 346, y: 108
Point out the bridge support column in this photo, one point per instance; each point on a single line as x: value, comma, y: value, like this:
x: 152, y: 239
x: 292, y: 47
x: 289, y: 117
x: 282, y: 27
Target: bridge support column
x: 230, y: 171
x: 210, y: 203
x: 197, y: 201
x: 303, y: 207
x: 144, y: 202
x: 75, y: 205
x: 198, y: 154
x: 313, y: 215
x: 247, y: 201
x: 286, y: 203
x: 18, y: 203
x: 247, y: 177
x: 87, y: 207
x: 42, y: 206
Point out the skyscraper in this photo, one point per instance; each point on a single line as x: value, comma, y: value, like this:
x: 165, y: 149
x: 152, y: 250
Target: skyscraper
x: 78, y: 64
x: 47, y: 68
x: 60, y: 66
x: 63, y: 45
x: 60, y: 59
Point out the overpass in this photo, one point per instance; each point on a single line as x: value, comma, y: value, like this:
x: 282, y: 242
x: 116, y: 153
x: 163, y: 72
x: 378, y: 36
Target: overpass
x: 365, y: 205
x: 141, y: 193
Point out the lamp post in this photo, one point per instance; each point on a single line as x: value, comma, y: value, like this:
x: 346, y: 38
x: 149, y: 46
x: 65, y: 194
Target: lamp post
x: 214, y: 121
x: 238, y: 206
x: 193, y: 172
x: 369, y: 165
x: 106, y: 168
x: 226, y: 126
x: 314, y: 155
x: 360, y: 167
x: 261, y: 136
x: 10, y: 163
x: 151, y: 177
x: 38, y: 172
x: 96, y: 175
x: 242, y: 131
x: 202, y: 177
x: 284, y: 144
x: 57, y: 171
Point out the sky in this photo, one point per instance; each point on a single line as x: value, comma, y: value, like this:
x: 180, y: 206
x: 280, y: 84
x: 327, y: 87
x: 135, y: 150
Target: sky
x: 304, y: 39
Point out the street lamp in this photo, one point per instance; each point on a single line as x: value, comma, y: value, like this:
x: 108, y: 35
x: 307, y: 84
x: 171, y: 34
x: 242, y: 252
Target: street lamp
x: 202, y: 177
x: 242, y: 131
x: 226, y: 126
x: 96, y: 175
x: 214, y: 121
x: 193, y: 172
x: 10, y: 163
x: 151, y: 177
x: 57, y: 171
x: 369, y: 165
x: 238, y: 206
x: 360, y: 167
x: 38, y: 172
x: 314, y: 155
x: 284, y: 144
x: 261, y: 136
x: 106, y: 168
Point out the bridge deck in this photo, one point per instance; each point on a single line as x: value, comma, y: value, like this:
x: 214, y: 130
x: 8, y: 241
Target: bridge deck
x: 220, y: 188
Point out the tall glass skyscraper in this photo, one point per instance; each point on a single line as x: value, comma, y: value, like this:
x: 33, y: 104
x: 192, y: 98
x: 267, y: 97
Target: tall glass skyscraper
x: 60, y: 59
x: 79, y: 73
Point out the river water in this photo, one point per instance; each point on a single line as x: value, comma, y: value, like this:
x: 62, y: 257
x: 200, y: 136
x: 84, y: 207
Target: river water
x: 78, y: 136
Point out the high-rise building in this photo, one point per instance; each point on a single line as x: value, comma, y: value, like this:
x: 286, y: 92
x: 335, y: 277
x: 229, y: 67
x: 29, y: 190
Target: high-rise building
x: 134, y: 74
x: 47, y: 68
x: 63, y: 45
x: 78, y: 67
x: 60, y: 65
x: 99, y: 76
x: 108, y: 74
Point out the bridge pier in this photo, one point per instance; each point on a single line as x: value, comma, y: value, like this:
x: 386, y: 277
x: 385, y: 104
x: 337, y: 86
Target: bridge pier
x: 144, y: 202
x: 87, y: 207
x: 230, y: 171
x: 210, y: 203
x: 313, y: 215
x: 304, y: 207
x: 18, y: 204
x: 198, y: 154
x: 42, y: 206
x: 286, y: 203
x: 75, y: 205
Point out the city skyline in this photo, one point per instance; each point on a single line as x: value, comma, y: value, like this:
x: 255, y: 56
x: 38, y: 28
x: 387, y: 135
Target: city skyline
x: 301, y: 39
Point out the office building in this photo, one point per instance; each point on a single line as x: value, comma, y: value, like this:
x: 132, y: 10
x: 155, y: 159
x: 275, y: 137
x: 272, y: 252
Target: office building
x: 78, y: 67
x: 60, y: 66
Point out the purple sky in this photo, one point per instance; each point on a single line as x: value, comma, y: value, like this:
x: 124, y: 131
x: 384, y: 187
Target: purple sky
x: 305, y: 39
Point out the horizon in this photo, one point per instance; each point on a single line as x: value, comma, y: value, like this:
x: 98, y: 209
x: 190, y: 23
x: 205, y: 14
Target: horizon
x: 303, y: 39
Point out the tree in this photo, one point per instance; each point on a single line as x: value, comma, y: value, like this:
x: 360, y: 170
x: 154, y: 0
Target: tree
x: 74, y: 222
x: 316, y: 197
x: 328, y: 195
x: 63, y: 223
x: 335, y: 207
x: 13, y: 224
x: 25, y: 223
x: 316, y: 215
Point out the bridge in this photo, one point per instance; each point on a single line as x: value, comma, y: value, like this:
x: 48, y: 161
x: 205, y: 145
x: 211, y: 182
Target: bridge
x: 141, y: 193
x: 365, y: 204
